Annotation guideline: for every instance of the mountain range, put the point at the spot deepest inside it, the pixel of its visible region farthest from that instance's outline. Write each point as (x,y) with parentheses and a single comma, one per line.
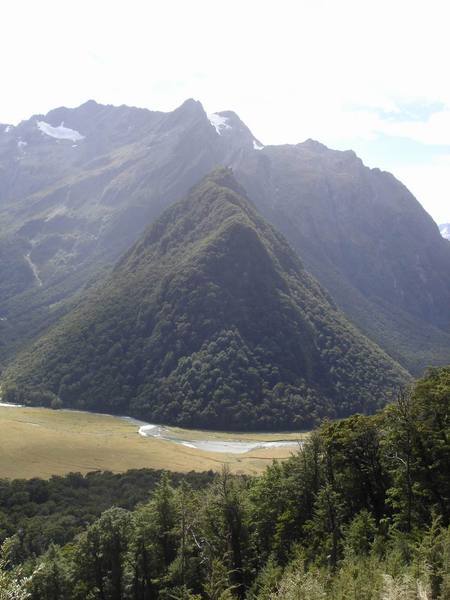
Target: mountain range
(79,188)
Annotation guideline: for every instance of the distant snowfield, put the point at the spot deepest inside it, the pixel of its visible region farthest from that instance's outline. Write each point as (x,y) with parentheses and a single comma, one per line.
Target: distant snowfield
(219,123)
(60,132)
(257,146)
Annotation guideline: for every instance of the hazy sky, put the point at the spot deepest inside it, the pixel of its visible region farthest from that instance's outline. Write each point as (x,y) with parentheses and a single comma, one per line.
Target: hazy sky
(368,75)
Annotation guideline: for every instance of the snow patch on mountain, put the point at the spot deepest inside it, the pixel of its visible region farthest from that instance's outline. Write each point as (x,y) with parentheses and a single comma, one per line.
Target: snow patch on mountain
(445,230)
(218,122)
(34,268)
(60,132)
(257,146)
(8,128)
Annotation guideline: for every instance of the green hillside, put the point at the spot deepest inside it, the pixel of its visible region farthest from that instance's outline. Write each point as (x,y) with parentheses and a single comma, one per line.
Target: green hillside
(209,320)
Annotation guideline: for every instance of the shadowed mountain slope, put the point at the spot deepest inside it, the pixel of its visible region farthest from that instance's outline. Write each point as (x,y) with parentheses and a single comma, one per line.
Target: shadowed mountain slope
(363,235)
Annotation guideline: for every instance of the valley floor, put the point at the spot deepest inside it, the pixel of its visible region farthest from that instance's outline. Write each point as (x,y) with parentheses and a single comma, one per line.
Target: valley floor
(39,442)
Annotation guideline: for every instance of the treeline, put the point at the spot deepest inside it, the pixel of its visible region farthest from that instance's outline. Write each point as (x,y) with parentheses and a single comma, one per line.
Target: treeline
(361,512)
(43,512)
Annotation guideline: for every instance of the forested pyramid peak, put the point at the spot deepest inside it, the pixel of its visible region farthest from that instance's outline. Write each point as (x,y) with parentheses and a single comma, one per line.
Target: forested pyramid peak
(211,320)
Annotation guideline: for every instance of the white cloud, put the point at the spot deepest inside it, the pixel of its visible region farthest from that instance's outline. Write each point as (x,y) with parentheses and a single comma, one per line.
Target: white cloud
(434,130)
(430,183)
(310,55)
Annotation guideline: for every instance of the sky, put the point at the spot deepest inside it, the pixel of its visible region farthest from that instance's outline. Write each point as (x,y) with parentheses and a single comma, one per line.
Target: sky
(368,75)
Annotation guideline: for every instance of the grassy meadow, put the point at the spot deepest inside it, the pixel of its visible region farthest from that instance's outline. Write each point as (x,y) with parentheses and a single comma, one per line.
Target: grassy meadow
(39,442)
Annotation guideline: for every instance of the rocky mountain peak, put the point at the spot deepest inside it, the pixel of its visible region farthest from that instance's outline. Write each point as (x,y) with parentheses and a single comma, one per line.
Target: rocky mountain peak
(233,131)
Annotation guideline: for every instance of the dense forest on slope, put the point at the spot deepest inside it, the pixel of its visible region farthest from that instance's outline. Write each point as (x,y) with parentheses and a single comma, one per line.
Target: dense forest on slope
(362,511)
(209,320)
(54,511)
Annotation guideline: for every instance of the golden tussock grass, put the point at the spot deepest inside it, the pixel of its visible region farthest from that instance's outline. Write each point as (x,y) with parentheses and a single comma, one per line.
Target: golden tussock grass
(39,442)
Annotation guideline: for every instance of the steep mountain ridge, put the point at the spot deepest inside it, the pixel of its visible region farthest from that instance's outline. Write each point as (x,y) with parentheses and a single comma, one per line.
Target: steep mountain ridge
(210,320)
(366,239)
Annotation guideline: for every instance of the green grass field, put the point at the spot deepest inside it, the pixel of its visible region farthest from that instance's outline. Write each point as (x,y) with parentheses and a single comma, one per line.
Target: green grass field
(39,442)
